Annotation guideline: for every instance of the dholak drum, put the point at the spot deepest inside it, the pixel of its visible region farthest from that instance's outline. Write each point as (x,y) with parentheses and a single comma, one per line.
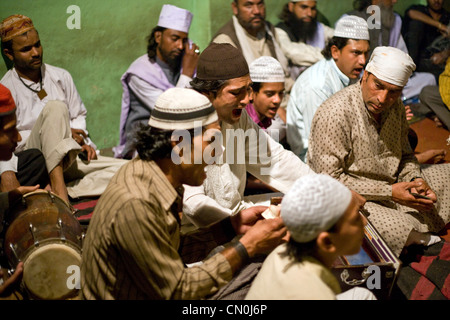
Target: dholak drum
(44,234)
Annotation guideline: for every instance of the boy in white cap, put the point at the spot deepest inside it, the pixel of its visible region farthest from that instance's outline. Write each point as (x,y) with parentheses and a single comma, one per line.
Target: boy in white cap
(133,247)
(345,58)
(323,220)
(170,61)
(360,137)
(268,93)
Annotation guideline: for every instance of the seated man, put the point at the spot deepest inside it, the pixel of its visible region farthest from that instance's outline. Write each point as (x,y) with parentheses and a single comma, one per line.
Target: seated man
(50,117)
(133,247)
(423,25)
(9,137)
(319,234)
(385,30)
(302,37)
(223,76)
(170,62)
(360,137)
(345,58)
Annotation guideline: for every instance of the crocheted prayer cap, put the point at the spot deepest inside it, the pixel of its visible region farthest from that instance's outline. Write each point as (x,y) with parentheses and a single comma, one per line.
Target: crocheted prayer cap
(313,205)
(221,61)
(175,18)
(182,109)
(266,69)
(15,25)
(391,65)
(7,104)
(352,27)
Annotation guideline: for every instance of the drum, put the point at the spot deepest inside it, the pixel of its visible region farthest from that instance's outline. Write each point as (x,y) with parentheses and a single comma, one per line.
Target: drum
(43,233)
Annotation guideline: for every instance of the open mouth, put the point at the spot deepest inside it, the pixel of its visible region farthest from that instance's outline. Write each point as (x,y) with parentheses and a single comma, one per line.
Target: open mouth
(237,112)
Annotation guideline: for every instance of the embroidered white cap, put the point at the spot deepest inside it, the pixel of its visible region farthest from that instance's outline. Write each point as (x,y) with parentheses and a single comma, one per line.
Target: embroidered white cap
(391,65)
(266,69)
(175,18)
(352,27)
(314,204)
(182,109)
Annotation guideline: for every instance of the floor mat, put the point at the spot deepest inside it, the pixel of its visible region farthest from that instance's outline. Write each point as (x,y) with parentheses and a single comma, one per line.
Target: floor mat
(426,272)
(84,209)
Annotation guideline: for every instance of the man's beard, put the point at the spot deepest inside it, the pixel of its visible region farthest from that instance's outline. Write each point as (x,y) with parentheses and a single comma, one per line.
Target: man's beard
(174,63)
(387,16)
(303,31)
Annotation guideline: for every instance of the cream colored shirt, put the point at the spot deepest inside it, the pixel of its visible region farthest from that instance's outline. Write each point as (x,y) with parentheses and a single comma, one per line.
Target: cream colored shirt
(283,278)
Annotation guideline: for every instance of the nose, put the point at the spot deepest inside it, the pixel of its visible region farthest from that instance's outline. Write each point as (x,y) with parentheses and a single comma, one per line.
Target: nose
(256,10)
(248,96)
(383,96)
(277,99)
(35,52)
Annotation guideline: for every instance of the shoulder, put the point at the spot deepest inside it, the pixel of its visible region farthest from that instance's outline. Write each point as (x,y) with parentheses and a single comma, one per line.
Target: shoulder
(7,78)
(341,103)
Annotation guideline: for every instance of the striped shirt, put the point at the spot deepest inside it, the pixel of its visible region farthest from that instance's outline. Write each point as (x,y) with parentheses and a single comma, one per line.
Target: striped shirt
(131,250)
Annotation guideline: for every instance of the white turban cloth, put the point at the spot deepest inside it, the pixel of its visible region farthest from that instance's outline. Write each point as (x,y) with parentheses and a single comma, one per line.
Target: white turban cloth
(391,65)
(314,204)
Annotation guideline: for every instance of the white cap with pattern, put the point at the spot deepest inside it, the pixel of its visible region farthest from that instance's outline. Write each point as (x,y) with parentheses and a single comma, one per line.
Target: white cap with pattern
(266,69)
(314,204)
(182,109)
(352,27)
(175,18)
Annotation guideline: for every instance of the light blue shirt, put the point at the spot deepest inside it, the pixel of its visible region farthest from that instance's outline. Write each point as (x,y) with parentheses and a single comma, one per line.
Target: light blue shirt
(311,89)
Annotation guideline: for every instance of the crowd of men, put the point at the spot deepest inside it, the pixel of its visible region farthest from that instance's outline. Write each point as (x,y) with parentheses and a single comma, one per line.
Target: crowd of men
(311,111)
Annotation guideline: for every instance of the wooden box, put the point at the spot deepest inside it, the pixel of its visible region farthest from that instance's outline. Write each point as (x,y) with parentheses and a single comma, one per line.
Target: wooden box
(375,267)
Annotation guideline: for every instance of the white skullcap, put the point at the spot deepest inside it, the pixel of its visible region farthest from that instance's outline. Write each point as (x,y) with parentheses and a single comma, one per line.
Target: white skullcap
(314,204)
(175,18)
(391,65)
(182,109)
(266,69)
(352,27)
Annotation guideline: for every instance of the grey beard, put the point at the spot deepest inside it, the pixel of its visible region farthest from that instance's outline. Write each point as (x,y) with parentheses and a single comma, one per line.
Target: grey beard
(387,17)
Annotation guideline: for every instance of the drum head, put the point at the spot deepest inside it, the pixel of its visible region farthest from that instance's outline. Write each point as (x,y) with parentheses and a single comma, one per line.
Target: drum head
(45,271)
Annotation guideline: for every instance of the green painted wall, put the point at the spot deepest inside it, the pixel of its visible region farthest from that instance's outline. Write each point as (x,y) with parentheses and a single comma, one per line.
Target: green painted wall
(113,33)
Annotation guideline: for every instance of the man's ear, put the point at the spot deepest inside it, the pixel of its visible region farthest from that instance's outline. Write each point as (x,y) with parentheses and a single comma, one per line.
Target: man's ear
(9,54)
(234,7)
(325,243)
(158,36)
(335,52)
(291,6)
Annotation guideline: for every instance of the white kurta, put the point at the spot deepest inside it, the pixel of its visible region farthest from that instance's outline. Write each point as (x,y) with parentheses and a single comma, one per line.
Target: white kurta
(222,193)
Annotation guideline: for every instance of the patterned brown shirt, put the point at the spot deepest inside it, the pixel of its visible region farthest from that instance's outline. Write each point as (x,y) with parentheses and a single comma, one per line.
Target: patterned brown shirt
(348,144)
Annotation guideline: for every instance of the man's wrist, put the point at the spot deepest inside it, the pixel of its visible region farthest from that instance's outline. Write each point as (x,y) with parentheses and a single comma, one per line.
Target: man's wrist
(242,252)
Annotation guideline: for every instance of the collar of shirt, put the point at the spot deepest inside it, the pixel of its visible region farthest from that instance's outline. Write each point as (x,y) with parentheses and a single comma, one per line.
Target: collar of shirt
(344,79)
(265,123)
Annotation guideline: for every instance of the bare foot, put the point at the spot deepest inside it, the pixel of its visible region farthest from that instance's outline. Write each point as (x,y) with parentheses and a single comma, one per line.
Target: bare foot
(438,122)
(431,156)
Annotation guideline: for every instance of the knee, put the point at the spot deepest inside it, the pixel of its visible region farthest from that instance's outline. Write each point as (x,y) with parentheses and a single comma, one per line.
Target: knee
(56,108)
(425,93)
